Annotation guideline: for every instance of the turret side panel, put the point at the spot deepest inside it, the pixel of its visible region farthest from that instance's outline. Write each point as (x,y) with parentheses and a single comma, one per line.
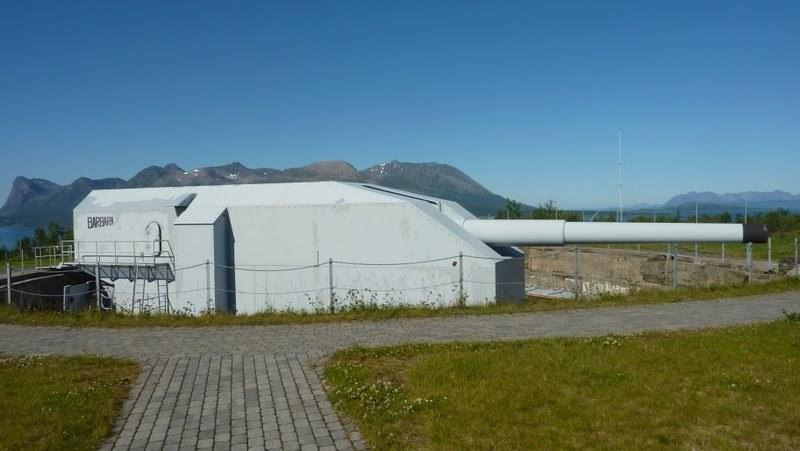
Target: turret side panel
(204,267)
(387,254)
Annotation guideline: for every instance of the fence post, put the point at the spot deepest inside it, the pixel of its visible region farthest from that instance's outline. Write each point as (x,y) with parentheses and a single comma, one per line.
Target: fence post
(8,283)
(749,262)
(723,252)
(135,277)
(21,258)
(674,266)
(97,286)
(578,285)
(330,285)
(208,286)
(667,256)
(769,255)
(796,267)
(266,282)
(460,278)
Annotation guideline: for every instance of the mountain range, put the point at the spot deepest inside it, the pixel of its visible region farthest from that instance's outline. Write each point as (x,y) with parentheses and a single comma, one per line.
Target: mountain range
(34,201)
(756,198)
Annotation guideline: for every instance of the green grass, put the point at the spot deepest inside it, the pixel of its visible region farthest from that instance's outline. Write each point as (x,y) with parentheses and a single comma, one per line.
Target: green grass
(16,264)
(782,247)
(369,312)
(65,403)
(712,389)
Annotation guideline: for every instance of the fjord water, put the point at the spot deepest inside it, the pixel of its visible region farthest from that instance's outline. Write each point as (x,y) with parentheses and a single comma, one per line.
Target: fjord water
(10,235)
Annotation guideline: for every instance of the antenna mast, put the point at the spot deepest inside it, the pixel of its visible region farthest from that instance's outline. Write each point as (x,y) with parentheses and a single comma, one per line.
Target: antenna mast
(619,164)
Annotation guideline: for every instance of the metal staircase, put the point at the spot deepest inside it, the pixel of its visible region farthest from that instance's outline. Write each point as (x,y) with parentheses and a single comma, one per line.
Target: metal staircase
(158,303)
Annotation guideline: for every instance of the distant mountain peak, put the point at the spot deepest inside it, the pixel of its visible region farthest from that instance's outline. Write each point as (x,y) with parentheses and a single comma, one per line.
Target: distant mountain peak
(333,170)
(24,189)
(37,201)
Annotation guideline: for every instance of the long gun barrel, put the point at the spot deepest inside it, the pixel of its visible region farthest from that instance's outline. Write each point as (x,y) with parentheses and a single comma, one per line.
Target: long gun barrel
(532,232)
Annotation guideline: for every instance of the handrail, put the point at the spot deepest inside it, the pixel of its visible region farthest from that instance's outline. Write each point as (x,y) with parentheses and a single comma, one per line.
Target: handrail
(104,252)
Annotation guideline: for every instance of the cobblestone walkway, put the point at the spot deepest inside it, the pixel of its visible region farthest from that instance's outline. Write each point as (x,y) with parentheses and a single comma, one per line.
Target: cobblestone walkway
(231,401)
(256,387)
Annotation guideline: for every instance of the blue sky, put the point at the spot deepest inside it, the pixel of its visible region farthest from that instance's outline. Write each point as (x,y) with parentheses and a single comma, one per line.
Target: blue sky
(524,97)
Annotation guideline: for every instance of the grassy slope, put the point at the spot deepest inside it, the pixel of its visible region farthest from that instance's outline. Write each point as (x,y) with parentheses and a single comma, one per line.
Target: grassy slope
(61,403)
(92,318)
(713,389)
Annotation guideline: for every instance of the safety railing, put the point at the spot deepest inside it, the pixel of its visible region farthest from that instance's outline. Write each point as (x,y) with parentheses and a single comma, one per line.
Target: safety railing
(105,253)
(55,255)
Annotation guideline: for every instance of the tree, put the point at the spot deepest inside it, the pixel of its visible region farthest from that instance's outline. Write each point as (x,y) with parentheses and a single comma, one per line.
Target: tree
(548,210)
(39,237)
(54,233)
(605,217)
(641,218)
(512,210)
(26,245)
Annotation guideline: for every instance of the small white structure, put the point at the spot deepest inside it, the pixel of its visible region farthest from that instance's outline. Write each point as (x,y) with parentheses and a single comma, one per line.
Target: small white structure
(301,246)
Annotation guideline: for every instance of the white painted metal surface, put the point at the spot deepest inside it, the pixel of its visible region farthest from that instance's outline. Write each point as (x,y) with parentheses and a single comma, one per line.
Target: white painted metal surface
(634,232)
(273,250)
(558,232)
(517,232)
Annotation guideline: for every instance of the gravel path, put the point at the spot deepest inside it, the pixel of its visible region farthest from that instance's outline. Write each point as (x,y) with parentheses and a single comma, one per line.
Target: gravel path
(255,387)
